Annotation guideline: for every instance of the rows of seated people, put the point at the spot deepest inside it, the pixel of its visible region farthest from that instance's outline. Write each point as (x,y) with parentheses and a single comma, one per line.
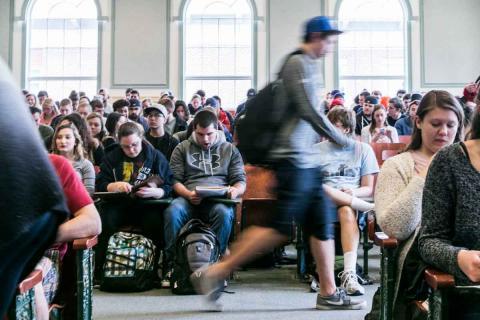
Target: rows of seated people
(188,146)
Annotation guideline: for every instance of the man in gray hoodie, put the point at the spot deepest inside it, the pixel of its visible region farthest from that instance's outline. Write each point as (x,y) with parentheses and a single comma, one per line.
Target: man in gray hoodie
(205,159)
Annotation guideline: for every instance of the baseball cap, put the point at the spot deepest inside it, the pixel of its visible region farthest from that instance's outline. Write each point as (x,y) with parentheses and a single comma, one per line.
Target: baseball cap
(320,24)
(135,103)
(158,107)
(251,92)
(371,100)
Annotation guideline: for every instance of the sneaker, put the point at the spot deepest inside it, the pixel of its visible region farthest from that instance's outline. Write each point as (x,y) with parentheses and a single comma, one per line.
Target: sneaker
(349,281)
(209,287)
(339,301)
(314,286)
(167,279)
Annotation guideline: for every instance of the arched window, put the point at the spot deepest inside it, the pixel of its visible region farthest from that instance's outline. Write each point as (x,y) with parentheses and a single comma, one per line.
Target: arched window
(218,51)
(62,47)
(371,53)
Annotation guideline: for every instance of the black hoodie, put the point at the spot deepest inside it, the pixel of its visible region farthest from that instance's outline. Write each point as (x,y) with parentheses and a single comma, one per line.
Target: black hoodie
(154,163)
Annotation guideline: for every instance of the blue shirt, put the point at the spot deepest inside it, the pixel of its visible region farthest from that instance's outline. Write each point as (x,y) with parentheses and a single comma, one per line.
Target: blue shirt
(404,126)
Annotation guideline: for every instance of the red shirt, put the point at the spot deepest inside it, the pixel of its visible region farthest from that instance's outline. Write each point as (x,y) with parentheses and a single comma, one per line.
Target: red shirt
(75,193)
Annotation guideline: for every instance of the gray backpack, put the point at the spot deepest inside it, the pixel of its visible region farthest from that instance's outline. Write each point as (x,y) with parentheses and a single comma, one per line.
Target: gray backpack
(196,246)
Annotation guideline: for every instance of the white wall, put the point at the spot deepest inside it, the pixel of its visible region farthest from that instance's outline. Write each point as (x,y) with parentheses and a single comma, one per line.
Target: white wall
(447,59)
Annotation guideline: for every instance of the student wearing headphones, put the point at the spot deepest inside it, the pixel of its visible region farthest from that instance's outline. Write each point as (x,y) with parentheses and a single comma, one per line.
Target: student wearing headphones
(204,159)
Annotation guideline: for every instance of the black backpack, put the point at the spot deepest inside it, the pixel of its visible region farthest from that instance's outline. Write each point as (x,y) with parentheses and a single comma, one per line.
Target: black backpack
(258,128)
(196,246)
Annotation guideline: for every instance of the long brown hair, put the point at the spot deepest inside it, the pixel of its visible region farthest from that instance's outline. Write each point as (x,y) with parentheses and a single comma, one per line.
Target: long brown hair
(78,151)
(374,124)
(436,99)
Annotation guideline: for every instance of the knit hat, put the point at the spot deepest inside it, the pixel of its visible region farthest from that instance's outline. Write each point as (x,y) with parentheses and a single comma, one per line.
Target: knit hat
(337,102)
(416,96)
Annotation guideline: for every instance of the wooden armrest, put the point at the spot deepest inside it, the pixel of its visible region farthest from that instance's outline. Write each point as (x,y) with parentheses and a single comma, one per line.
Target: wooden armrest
(85,243)
(384,241)
(35,277)
(437,279)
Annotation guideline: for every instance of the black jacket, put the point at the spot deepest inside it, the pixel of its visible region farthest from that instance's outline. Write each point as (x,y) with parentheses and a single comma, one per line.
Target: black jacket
(155,163)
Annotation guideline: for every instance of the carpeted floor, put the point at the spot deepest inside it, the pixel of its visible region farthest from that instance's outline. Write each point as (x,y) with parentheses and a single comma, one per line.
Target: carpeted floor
(257,294)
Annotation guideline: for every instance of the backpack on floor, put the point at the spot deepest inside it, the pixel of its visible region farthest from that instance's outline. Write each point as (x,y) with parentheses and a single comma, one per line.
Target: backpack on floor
(129,263)
(257,129)
(196,246)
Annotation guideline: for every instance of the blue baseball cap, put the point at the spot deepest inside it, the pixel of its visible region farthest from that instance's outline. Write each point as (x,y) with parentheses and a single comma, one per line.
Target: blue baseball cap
(320,24)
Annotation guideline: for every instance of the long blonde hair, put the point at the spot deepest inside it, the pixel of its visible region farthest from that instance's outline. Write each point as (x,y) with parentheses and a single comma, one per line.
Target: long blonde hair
(78,150)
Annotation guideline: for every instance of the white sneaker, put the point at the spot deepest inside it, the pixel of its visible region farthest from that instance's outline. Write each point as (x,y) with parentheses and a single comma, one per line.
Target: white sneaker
(349,281)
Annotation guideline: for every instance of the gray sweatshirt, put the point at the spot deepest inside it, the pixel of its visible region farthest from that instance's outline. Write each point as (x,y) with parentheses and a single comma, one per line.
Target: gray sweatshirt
(302,81)
(220,165)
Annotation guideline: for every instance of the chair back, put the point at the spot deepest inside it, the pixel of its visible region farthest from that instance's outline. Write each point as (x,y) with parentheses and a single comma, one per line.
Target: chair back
(405,139)
(390,149)
(261,183)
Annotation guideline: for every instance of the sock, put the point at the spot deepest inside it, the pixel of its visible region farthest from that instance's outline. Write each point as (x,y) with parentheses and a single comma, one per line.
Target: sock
(350,261)
(362,205)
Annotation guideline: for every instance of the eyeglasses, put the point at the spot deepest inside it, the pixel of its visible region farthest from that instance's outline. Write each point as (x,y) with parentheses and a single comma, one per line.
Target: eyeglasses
(129,146)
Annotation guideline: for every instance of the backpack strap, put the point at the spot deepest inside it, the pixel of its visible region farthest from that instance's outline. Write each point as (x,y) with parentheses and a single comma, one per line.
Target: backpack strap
(293,53)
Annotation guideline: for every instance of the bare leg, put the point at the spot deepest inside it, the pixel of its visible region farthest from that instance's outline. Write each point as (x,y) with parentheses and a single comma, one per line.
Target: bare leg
(341,198)
(348,228)
(254,240)
(324,254)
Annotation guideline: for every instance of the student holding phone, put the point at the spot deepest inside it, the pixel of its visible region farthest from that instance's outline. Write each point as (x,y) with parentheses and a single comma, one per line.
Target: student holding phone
(379,131)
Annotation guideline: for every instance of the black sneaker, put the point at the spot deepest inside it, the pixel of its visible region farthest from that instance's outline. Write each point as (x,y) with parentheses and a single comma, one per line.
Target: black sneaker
(209,287)
(339,301)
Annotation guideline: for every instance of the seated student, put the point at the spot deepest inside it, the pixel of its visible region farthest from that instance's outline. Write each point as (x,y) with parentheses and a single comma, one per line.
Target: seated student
(214,107)
(93,147)
(348,174)
(395,107)
(135,113)
(379,131)
(400,184)
(64,109)
(121,106)
(84,109)
(85,221)
(46,132)
(68,143)
(181,111)
(95,123)
(360,102)
(99,107)
(404,126)
(224,116)
(195,104)
(156,135)
(131,162)
(173,124)
(364,116)
(49,111)
(205,159)
(114,121)
(449,237)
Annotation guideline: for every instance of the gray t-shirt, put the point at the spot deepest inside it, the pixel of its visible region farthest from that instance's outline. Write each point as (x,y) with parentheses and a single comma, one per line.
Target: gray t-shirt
(343,167)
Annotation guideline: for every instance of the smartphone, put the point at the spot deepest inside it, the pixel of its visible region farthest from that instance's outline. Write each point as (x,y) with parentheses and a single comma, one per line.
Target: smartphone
(382,130)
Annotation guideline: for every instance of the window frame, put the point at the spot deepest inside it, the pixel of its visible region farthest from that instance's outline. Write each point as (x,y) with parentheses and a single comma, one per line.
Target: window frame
(26,18)
(183,46)
(407,32)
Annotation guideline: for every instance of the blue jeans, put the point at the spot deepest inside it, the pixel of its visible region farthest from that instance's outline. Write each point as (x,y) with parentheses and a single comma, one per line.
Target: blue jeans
(218,215)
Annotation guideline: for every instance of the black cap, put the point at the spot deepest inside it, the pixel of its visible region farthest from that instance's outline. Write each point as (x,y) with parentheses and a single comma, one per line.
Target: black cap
(135,103)
(371,100)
